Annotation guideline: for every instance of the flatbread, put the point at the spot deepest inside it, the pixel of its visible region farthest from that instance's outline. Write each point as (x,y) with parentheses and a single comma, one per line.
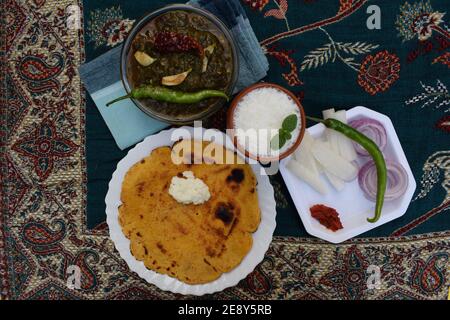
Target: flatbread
(193,243)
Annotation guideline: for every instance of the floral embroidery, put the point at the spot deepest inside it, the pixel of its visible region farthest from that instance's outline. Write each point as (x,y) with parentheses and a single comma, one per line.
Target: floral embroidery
(345,5)
(352,8)
(258,282)
(444,124)
(377,73)
(280,12)
(419,19)
(420,220)
(108,27)
(116,32)
(423,25)
(437,96)
(444,59)
(437,43)
(437,162)
(436,169)
(428,276)
(257,4)
(41,72)
(348,277)
(284,58)
(333,50)
(45,146)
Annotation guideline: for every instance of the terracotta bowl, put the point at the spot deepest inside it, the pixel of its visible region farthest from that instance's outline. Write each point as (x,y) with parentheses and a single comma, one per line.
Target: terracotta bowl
(230,122)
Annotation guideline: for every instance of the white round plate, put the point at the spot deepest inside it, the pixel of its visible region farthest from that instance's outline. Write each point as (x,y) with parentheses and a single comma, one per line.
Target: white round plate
(261,238)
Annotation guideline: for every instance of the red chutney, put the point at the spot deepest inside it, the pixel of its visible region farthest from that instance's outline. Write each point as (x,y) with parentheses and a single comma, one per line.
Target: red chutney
(328,217)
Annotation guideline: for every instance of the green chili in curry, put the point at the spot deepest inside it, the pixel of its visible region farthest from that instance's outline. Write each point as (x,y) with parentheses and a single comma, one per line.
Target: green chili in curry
(168,95)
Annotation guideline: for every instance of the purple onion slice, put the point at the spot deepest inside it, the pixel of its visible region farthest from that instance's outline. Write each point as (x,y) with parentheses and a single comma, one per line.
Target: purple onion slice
(397,180)
(373,129)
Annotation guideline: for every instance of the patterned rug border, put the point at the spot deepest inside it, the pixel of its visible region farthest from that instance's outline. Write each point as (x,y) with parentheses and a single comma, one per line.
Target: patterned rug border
(3,140)
(445,235)
(83,119)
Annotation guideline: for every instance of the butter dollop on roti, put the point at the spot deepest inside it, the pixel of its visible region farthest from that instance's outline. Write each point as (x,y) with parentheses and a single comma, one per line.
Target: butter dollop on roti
(193,243)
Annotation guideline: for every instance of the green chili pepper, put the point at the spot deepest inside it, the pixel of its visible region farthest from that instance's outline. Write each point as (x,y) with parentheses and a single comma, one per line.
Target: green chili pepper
(169,95)
(374,152)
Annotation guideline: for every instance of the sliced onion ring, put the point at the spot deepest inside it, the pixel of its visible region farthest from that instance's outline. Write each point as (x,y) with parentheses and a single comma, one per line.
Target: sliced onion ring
(397,180)
(373,129)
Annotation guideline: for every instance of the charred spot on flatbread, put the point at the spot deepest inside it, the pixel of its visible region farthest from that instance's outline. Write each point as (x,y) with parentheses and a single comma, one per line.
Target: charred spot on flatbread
(225,212)
(236,175)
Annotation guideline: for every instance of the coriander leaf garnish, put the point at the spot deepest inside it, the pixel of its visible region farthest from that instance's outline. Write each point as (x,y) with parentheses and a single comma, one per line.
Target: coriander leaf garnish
(289,123)
(278,141)
(284,133)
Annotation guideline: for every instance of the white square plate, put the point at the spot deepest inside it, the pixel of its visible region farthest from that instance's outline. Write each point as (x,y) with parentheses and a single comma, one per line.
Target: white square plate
(352,205)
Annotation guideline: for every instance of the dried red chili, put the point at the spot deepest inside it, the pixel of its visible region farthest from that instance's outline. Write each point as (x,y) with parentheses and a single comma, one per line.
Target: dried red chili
(167,42)
(328,217)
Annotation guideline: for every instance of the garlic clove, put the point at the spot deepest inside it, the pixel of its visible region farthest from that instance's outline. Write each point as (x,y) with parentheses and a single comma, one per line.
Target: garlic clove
(205,64)
(176,79)
(143,59)
(209,49)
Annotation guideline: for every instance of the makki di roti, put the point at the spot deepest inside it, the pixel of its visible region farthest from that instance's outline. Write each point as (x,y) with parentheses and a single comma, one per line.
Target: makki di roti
(193,243)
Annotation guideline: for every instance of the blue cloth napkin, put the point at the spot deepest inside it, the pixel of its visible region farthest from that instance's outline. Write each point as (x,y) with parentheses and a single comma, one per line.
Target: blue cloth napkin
(101,76)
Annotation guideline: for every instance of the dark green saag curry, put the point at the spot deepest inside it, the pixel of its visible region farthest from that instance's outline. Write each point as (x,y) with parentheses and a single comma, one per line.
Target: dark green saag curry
(207,62)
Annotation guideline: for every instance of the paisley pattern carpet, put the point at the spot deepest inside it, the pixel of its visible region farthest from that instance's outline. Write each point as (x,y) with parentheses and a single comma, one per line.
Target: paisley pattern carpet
(44,225)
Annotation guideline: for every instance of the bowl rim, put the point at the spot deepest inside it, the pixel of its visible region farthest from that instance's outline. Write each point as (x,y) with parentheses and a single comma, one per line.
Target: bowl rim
(231,128)
(142,23)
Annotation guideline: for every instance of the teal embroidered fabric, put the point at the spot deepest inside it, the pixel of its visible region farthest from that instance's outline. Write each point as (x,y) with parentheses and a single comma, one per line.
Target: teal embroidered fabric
(328,56)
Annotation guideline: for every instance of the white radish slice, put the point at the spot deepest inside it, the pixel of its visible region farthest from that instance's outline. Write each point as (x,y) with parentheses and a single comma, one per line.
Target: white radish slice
(340,115)
(305,145)
(337,183)
(333,162)
(304,156)
(328,113)
(346,148)
(331,135)
(308,161)
(308,176)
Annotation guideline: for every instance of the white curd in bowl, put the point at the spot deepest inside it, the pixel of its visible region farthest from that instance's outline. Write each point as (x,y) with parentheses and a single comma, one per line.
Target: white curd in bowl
(259,116)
